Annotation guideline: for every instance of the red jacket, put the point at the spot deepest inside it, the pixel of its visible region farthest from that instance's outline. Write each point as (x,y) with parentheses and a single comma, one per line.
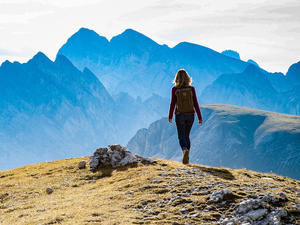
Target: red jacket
(174,100)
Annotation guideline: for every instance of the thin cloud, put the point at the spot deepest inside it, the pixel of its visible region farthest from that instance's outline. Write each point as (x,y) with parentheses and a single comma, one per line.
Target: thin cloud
(22,18)
(257,29)
(7,52)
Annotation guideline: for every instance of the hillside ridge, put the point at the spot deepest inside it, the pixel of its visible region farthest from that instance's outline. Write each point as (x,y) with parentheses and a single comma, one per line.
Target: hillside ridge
(231,136)
(167,192)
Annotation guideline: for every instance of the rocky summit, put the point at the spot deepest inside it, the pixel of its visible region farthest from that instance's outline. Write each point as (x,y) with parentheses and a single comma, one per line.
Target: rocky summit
(123,188)
(115,156)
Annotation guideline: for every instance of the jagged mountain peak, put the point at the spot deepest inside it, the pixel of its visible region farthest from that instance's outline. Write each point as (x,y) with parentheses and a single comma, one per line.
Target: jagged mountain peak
(192,48)
(88,34)
(5,63)
(132,33)
(133,37)
(252,62)
(40,57)
(84,42)
(85,30)
(231,53)
(253,69)
(293,73)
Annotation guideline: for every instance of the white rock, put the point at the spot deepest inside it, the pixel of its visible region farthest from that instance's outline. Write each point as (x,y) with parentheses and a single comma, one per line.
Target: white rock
(195,215)
(218,196)
(256,214)
(128,159)
(183,210)
(275,216)
(297,207)
(248,205)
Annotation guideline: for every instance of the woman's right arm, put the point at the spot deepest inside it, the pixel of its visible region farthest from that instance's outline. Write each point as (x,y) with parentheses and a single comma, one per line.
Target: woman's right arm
(172,104)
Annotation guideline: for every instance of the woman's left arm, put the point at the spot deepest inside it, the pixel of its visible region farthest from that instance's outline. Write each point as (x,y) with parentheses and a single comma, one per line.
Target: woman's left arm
(196,105)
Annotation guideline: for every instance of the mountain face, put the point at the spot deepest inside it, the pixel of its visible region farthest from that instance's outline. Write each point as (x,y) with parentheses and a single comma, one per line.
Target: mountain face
(133,63)
(250,88)
(253,88)
(50,110)
(280,82)
(293,74)
(131,114)
(231,136)
(252,62)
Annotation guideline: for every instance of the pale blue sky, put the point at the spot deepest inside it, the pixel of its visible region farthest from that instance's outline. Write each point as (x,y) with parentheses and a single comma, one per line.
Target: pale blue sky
(266,31)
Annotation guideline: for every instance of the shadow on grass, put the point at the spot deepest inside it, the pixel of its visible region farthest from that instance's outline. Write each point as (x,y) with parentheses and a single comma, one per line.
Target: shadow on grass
(218,172)
(107,171)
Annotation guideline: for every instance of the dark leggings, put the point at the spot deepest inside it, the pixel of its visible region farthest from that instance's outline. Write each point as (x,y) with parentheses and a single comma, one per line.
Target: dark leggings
(184,123)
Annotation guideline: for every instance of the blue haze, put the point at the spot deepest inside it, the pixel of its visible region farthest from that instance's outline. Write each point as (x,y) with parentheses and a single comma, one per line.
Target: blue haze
(99,92)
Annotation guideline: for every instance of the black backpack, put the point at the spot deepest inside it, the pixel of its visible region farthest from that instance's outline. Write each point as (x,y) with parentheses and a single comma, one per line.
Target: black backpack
(185,102)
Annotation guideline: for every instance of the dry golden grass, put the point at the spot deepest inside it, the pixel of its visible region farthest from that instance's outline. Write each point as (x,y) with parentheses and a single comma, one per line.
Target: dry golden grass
(116,196)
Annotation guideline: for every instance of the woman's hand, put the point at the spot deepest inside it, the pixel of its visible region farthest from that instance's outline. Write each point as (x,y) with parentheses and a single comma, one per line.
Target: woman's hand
(170,120)
(200,122)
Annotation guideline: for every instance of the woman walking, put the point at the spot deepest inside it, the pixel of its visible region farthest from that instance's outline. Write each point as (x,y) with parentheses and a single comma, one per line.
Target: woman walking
(184,100)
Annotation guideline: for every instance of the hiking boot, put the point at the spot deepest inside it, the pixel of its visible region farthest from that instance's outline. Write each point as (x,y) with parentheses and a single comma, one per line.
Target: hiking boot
(185,156)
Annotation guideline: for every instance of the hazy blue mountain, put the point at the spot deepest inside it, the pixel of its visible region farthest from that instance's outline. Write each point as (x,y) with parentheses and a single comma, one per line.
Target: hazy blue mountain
(291,96)
(293,74)
(232,54)
(61,109)
(254,88)
(280,82)
(291,100)
(133,63)
(158,104)
(51,110)
(231,136)
(131,114)
(250,88)
(286,83)
(252,62)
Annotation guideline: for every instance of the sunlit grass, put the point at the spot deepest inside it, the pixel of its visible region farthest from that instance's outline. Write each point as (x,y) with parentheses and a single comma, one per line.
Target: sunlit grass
(115,196)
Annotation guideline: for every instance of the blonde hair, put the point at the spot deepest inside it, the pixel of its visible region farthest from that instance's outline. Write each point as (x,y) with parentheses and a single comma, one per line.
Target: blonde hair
(182,79)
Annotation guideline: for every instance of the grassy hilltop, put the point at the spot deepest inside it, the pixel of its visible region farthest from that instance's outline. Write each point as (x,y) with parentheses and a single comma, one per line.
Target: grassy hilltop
(164,193)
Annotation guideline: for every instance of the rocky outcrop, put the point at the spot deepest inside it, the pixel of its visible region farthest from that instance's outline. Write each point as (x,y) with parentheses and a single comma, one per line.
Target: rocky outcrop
(262,211)
(115,156)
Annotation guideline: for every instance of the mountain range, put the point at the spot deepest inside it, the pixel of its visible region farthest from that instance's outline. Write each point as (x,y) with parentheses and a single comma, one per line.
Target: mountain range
(231,136)
(257,89)
(99,92)
(52,110)
(135,64)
